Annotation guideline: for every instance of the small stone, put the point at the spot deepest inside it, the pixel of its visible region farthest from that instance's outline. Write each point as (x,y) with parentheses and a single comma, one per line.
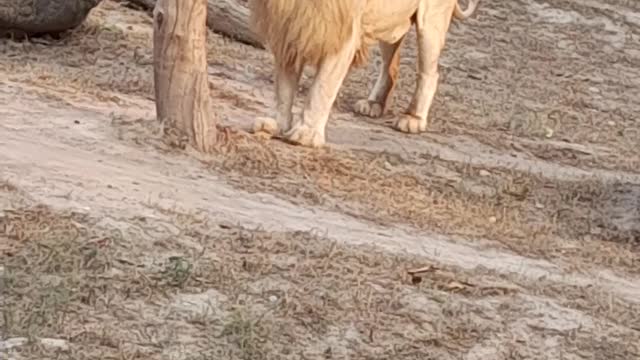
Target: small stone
(493,220)
(484,173)
(387,166)
(565,44)
(55,343)
(594,90)
(13,342)
(273,298)
(539,206)
(548,132)
(611,123)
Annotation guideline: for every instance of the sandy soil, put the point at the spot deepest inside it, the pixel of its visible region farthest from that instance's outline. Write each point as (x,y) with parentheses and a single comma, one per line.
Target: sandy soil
(523,201)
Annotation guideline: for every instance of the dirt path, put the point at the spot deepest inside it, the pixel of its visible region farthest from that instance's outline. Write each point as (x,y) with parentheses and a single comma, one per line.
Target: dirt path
(100,171)
(131,248)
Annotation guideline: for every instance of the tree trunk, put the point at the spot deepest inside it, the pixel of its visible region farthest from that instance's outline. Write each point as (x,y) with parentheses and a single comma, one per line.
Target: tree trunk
(227,17)
(180,71)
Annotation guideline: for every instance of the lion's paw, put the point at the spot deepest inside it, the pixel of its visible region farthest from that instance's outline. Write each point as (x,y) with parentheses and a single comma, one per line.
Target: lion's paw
(410,124)
(264,126)
(304,135)
(368,108)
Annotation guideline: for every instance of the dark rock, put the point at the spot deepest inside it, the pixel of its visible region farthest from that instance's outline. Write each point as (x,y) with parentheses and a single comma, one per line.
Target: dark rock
(37,17)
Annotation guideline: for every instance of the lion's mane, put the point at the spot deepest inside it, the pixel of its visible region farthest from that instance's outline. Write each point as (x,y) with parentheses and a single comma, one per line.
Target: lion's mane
(304,32)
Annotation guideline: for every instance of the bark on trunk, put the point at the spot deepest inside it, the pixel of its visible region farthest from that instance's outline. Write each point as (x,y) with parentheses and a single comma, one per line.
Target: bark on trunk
(227,17)
(180,71)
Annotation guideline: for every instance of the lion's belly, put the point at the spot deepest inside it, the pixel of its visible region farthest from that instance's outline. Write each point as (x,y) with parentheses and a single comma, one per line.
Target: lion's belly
(388,20)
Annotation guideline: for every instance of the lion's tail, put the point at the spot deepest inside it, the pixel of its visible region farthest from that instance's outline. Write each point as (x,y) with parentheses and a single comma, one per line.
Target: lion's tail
(463,14)
(303,32)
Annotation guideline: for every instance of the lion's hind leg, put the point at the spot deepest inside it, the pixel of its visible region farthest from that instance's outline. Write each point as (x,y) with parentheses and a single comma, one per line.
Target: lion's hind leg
(432,25)
(378,100)
(286,79)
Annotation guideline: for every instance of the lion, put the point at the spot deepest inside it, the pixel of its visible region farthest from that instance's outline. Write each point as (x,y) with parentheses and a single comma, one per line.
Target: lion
(332,36)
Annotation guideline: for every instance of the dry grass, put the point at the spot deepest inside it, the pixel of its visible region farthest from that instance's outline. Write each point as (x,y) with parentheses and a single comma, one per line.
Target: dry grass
(527,212)
(582,222)
(133,288)
(498,86)
(264,296)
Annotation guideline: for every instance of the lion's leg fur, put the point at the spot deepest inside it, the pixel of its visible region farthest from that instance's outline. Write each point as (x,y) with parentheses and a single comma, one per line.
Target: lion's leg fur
(322,34)
(432,24)
(310,131)
(286,79)
(330,35)
(380,95)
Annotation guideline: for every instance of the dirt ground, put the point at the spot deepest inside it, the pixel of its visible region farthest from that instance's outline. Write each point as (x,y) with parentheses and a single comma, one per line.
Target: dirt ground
(522,202)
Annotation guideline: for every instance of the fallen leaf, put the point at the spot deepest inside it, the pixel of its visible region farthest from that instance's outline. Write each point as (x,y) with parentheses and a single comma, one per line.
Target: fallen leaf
(422,270)
(456,285)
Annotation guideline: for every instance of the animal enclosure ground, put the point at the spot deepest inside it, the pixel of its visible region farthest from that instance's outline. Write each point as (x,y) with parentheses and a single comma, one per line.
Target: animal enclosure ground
(523,200)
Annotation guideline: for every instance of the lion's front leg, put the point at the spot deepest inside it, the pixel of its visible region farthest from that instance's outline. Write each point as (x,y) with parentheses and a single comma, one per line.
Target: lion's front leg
(431,25)
(310,131)
(378,100)
(286,79)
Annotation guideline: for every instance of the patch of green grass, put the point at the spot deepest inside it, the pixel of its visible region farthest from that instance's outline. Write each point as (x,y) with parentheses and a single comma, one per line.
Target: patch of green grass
(177,271)
(244,330)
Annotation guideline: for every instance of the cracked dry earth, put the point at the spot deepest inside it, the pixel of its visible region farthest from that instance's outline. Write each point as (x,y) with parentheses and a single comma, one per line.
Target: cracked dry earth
(522,203)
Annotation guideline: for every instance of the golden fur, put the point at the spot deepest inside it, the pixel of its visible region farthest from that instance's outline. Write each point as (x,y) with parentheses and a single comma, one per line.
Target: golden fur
(334,35)
(304,32)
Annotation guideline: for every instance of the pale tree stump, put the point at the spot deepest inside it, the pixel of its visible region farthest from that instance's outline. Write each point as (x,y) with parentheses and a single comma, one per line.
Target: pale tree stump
(180,71)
